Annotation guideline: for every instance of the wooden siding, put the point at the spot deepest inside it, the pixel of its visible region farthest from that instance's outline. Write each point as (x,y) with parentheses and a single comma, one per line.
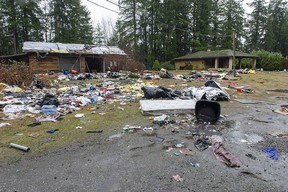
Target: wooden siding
(190,65)
(47,63)
(82,64)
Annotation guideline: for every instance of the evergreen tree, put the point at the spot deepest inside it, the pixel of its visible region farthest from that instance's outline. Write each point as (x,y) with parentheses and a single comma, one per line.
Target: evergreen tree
(201,17)
(71,22)
(99,35)
(233,19)
(21,22)
(6,40)
(128,22)
(276,28)
(217,13)
(256,25)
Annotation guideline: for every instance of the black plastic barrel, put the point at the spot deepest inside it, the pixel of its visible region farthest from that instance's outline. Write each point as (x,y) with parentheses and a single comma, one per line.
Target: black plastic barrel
(207,111)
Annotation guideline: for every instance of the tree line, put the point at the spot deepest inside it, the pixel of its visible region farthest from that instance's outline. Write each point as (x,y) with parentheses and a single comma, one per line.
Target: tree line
(165,29)
(149,29)
(65,21)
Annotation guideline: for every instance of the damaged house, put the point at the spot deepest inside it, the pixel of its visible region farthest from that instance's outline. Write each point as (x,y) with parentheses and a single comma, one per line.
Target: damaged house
(43,56)
(212,59)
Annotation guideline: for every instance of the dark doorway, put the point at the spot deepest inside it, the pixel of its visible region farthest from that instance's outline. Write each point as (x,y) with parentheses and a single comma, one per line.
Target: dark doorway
(67,63)
(223,63)
(94,65)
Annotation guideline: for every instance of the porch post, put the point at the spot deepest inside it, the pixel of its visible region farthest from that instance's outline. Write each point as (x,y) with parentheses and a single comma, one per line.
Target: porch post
(104,65)
(230,62)
(254,63)
(216,63)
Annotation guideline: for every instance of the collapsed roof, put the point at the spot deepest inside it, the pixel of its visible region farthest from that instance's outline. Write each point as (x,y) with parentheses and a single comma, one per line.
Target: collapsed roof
(46,47)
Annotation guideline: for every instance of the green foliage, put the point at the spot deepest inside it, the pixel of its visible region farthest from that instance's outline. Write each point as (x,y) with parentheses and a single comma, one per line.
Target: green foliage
(19,21)
(98,38)
(256,25)
(168,66)
(71,22)
(246,63)
(270,61)
(156,65)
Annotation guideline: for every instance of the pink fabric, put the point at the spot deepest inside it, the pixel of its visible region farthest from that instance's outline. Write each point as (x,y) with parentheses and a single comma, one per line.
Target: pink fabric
(225,156)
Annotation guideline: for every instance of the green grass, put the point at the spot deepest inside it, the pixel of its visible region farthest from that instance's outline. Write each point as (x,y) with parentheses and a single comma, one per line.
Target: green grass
(112,122)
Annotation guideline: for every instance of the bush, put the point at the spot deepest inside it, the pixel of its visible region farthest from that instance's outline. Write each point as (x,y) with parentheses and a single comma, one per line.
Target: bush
(269,61)
(246,63)
(16,73)
(167,65)
(156,65)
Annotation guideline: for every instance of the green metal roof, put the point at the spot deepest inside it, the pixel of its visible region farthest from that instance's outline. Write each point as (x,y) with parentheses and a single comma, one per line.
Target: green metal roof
(215,54)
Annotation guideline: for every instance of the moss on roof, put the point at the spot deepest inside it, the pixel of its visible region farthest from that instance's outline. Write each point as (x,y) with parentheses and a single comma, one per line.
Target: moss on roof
(215,54)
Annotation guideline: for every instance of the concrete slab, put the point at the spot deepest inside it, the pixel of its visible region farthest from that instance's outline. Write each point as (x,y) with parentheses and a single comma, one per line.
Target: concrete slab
(158,107)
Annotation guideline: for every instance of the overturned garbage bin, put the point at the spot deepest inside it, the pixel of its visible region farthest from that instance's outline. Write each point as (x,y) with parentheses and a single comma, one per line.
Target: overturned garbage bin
(207,111)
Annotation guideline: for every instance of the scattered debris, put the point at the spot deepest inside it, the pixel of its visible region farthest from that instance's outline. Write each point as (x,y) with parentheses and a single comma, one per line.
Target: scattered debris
(177,178)
(247,101)
(279,134)
(4,124)
(250,156)
(271,152)
(223,155)
(116,136)
(207,111)
(79,115)
(193,164)
(33,135)
(20,147)
(148,130)
(52,131)
(95,131)
(202,144)
(34,124)
(186,151)
(281,110)
(157,139)
(159,107)
(253,175)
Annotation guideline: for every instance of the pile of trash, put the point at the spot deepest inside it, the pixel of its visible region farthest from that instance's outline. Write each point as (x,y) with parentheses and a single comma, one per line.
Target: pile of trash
(51,103)
(211,91)
(67,93)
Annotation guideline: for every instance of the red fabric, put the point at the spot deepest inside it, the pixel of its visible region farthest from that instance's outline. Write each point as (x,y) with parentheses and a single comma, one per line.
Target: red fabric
(225,156)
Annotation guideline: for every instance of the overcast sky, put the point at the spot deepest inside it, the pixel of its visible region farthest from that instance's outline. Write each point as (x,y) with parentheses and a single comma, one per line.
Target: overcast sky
(97,12)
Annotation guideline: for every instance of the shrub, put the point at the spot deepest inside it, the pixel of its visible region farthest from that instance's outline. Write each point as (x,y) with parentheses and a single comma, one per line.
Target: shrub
(269,61)
(156,65)
(167,65)
(245,63)
(16,73)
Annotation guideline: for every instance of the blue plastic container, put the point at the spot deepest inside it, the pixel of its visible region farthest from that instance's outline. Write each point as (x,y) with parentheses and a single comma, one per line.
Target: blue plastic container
(49,109)
(94,99)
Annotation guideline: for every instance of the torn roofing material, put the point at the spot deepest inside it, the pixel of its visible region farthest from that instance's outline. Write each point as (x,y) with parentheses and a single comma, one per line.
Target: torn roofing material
(71,48)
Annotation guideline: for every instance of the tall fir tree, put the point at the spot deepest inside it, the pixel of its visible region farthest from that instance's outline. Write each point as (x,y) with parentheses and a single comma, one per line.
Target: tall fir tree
(201,16)
(233,19)
(217,15)
(71,22)
(21,21)
(256,25)
(128,22)
(98,37)
(276,28)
